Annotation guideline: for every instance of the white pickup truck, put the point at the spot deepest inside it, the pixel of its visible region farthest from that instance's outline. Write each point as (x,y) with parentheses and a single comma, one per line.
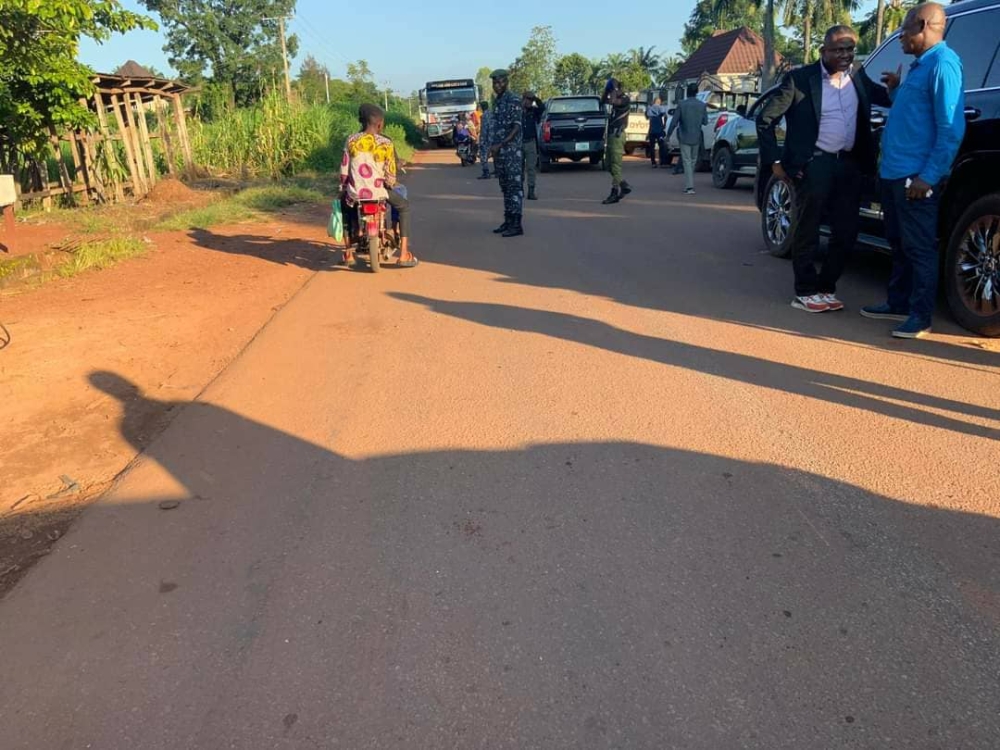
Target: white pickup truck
(721,107)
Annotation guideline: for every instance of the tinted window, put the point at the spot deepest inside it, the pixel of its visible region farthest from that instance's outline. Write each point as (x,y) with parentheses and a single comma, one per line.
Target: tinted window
(889,57)
(974,38)
(574,106)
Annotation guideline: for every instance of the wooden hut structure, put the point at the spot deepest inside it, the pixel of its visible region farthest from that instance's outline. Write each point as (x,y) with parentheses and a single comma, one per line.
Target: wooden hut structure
(141,127)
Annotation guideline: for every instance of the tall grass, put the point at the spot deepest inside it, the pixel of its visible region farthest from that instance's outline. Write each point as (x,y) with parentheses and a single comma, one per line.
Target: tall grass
(277,138)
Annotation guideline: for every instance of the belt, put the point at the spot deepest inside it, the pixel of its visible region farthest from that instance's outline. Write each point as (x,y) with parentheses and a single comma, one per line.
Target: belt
(834,154)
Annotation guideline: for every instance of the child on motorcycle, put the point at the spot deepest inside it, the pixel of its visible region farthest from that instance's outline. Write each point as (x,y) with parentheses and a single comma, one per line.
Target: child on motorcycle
(368,173)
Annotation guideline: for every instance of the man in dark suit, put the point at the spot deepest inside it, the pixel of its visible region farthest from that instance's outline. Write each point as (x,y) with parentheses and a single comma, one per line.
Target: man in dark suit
(829,147)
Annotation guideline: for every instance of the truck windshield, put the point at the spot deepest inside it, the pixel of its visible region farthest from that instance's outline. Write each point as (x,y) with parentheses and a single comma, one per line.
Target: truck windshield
(446,97)
(574,106)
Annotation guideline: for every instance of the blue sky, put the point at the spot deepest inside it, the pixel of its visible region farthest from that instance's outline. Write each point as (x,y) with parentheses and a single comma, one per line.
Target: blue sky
(416,42)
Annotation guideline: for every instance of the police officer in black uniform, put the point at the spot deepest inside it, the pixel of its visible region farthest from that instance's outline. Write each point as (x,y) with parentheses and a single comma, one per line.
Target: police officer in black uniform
(508,152)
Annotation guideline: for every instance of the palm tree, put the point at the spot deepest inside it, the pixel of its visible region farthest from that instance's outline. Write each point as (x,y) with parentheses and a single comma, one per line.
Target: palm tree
(893,12)
(647,60)
(816,14)
(879,21)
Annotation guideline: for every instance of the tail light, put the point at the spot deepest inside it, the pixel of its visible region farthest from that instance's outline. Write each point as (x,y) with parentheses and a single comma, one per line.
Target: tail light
(547,132)
(432,119)
(369,209)
(723,119)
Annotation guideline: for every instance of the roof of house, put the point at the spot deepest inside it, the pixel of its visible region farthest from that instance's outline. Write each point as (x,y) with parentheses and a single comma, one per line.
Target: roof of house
(132,69)
(725,53)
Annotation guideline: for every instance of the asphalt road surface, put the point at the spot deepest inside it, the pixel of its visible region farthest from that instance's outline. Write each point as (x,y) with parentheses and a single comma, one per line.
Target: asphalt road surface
(596,487)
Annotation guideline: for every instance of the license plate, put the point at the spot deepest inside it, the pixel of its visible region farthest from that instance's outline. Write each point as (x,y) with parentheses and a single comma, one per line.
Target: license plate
(583,147)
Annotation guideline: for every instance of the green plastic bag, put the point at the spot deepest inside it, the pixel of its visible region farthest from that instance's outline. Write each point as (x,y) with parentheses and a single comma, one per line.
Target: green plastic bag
(336,226)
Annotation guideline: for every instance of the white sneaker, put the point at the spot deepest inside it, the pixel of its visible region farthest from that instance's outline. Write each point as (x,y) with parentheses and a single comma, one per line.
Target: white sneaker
(832,302)
(815,303)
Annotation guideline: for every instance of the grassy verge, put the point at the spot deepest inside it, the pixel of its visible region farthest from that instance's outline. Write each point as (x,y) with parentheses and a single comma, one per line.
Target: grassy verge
(101,254)
(248,204)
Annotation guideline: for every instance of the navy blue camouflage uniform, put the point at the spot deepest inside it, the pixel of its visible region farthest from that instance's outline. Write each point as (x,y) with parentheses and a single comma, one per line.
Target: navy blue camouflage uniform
(509,161)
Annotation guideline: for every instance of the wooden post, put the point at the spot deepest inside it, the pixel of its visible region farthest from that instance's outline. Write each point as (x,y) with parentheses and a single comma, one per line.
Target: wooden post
(147,146)
(133,132)
(182,133)
(165,139)
(82,173)
(64,179)
(138,188)
(102,119)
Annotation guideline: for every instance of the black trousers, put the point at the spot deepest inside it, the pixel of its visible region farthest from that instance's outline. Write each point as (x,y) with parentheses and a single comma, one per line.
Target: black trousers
(830,188)
(657,140)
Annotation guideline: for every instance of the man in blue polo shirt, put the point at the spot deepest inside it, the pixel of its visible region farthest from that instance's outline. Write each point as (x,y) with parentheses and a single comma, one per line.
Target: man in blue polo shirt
(921,138)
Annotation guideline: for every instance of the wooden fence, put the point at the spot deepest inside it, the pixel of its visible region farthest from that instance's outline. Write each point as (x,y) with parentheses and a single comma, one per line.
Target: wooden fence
(120,157)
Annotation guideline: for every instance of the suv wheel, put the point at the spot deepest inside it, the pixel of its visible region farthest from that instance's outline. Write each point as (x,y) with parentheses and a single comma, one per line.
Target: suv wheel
(722,168)
(777,217)
(972,267)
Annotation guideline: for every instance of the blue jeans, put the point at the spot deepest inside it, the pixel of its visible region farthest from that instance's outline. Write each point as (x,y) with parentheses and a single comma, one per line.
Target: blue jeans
(911,228)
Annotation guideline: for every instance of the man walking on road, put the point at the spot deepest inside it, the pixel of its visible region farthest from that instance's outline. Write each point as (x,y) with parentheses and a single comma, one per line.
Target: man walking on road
(828,149)
(657,117)
(485,142)
(508,152)
(533,109)
(619,101)
(919,144)
(690,115)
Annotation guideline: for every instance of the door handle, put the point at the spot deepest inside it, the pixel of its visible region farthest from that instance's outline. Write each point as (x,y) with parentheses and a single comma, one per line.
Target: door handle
(878,119)
(972,113)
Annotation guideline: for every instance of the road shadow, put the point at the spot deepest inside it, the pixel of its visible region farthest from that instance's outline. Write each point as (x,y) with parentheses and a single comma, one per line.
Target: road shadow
(696,255)
(286,251)
(897,403)
(597,595)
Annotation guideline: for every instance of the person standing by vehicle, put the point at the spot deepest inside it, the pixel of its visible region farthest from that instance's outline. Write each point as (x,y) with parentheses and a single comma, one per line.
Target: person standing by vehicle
(688,119)
(828,149)
(533,109)
(657,117)
(484,139)
(619,102)
(920,141)
(508,152)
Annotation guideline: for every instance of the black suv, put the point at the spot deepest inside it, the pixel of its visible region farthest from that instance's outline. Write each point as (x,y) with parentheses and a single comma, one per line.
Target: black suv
(969,224)
(574,128)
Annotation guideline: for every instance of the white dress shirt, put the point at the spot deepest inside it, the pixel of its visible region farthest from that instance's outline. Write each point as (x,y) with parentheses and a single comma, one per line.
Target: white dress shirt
(838,123)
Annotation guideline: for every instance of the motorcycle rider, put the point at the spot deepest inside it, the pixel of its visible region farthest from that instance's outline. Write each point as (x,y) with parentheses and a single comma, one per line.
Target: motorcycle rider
(368,173)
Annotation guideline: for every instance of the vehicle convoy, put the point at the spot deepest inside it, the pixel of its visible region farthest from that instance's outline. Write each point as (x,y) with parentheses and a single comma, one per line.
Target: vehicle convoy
(442,102)
(969,217)
(574,128)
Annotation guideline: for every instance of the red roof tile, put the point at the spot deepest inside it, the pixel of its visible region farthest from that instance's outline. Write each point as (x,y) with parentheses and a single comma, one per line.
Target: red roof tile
(725,53)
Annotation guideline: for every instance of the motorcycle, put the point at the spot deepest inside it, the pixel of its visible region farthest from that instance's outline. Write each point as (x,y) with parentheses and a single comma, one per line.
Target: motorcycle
(467,152)
(375,231)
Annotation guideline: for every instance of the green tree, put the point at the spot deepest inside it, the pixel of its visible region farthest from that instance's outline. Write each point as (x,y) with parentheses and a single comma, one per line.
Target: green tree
(41,81)
(574,74)
(231,43)
(485,83)
(534,68)
(872,31)
(311,81)
(813,17)
(627,69)
(362,81)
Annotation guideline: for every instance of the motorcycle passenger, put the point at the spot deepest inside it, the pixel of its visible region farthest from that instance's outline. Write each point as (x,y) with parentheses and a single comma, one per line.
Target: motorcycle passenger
(368,173)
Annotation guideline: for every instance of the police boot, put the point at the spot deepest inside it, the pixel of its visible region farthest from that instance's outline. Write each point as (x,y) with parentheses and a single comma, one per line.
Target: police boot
(625,189)
(503,227)
(531,195)
(614,197)
(515,229)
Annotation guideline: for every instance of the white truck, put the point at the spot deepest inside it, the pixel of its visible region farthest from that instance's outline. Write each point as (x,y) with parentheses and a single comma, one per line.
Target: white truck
(442,102)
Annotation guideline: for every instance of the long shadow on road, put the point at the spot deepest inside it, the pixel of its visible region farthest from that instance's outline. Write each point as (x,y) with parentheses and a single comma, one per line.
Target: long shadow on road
(698,256)
(572,595)
(847,391)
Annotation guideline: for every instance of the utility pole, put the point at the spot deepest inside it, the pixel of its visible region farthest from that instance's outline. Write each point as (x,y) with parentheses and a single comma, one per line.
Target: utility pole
(326,81)
(284,52)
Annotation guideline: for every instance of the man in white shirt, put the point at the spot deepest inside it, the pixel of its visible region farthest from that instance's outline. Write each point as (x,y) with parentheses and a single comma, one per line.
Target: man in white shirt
(828,149)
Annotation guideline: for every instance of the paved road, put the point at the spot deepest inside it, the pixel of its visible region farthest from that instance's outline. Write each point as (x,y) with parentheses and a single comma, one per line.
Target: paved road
(599,487)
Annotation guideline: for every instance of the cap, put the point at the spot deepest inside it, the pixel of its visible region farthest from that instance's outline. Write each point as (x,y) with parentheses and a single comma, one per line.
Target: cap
(499,73)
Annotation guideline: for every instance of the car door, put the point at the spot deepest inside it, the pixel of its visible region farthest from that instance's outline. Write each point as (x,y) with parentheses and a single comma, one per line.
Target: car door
(974,36)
